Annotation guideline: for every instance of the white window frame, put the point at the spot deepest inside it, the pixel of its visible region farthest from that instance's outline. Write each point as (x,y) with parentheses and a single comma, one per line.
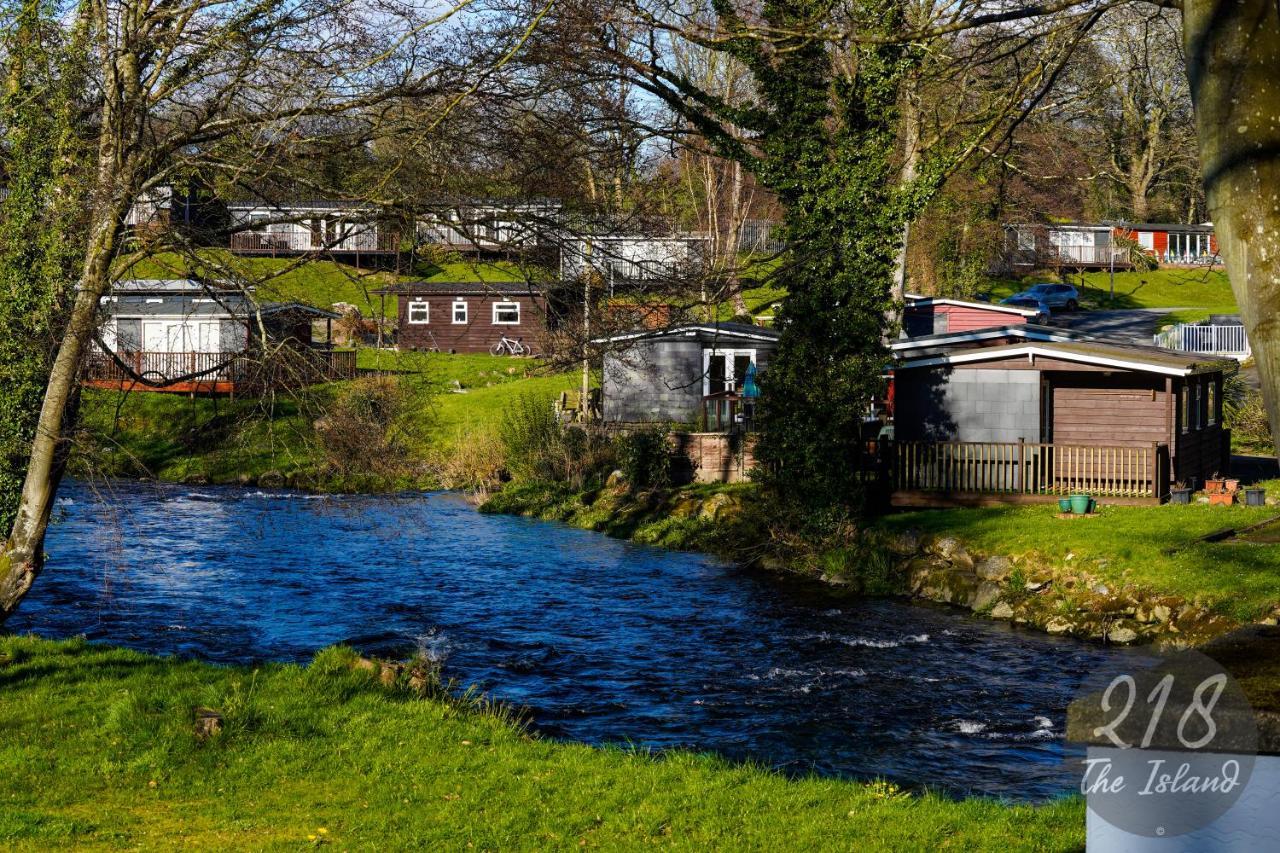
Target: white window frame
(506,306)
(155,300)
(730,356)
(458,302)
(1211,401)
(1147,240)
(415,304)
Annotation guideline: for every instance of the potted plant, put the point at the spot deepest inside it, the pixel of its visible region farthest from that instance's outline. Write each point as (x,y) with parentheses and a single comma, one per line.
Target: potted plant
(1080,504)
(1231,485)
(1180,493)
(1255,497)
(1215,485)
(1064,504)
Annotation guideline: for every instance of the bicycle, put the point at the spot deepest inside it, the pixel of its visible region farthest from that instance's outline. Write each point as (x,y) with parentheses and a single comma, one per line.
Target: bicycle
(506,346)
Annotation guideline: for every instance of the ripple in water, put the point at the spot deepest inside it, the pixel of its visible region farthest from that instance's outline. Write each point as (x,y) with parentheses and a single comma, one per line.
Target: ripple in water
(602,640)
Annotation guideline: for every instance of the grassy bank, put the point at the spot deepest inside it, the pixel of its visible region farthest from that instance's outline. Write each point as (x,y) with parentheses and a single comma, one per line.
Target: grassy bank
(1197,292)
(452,407)
(100,751)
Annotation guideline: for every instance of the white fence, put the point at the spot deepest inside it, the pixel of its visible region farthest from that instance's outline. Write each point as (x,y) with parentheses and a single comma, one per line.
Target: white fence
(1211,340)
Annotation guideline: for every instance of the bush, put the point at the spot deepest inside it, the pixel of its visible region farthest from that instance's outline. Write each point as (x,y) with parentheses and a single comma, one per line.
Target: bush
(536,446)
(644,458)
(1245,414)
(363,430)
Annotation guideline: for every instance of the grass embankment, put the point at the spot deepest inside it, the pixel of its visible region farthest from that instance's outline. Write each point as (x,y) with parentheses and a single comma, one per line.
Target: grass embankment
(451,401)
(1197,292)
(100,751)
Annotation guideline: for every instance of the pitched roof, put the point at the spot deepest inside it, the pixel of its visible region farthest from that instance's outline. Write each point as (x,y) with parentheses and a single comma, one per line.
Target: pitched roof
(702,331)
(1142,359)
(463,288)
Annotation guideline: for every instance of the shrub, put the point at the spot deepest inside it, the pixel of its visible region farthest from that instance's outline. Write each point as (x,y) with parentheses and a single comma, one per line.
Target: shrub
(536,446)
(644,457)
(362,431)
(1245,414)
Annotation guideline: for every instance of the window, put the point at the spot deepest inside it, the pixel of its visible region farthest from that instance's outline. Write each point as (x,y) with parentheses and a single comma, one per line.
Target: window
(155,300)
(506,313)
(1186,409)
(725,370)
(1147,240)
(419,312)
(460,311)
(1026,239)
(1197,411)
(1212,390)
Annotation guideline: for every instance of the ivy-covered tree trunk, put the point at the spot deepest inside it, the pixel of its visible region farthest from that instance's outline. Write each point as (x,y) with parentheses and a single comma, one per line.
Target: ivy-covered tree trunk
(40,220)
(1233,57)
(829,156)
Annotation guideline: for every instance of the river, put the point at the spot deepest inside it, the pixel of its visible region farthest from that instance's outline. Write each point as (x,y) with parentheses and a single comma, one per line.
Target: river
(603,641)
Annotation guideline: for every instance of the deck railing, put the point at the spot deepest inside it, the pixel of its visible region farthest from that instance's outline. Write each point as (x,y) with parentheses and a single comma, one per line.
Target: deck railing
(1210,340)
(1025,468)
(242,369)
(362,238)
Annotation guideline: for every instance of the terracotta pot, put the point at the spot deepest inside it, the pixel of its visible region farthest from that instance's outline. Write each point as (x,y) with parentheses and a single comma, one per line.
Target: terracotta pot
(1215,486)
(1222,499)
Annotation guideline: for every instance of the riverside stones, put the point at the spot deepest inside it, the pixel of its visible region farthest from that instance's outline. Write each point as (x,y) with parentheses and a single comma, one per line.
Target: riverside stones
(995,568)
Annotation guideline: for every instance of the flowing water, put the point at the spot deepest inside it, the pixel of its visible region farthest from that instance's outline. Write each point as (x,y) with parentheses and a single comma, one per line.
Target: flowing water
(602,640)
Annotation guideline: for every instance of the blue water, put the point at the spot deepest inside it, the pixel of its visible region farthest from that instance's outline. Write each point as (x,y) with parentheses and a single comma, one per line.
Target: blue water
(602,640)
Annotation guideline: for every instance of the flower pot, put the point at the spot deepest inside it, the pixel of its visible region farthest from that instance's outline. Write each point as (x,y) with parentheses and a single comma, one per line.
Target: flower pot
(1222,499)
(1179,496)
(1215,486)
(1255,497)
(1231,486)
(1064,504)
(1080,504)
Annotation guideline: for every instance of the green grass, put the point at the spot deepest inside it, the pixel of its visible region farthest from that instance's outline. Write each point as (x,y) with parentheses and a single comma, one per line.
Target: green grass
(1200,291)
(1129,545)
(99,752)
(175,438)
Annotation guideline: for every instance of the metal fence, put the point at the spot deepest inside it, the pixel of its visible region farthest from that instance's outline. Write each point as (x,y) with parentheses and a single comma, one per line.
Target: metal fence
(1208,339)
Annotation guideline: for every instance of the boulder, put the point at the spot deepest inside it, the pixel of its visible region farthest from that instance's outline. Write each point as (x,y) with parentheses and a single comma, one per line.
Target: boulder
(1058,625)
(718,506)
(995,568)
(1121,634)
(987,593)
(1002,610)
(950,549)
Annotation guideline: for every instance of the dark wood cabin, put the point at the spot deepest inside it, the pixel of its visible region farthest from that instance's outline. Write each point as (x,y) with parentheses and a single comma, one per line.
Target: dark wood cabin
(439,316)
(1036,420)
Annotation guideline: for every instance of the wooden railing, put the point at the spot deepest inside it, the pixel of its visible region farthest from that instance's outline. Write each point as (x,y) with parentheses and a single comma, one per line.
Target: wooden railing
(242,369)
(362,238)
(1024,468)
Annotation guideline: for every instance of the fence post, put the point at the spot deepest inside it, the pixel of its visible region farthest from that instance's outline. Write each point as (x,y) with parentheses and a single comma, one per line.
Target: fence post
(1020,475)
(1157,471)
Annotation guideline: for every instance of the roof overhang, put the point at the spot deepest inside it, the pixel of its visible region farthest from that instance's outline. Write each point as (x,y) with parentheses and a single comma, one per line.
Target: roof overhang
(1027,331)
(1117,360)
(689,332)
(925,301)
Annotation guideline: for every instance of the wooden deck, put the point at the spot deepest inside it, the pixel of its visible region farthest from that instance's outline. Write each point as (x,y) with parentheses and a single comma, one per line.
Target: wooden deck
(951,473)
(217,373)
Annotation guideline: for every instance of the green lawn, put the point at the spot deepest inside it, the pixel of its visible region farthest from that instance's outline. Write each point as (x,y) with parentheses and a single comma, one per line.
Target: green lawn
(1129,545)
(99,752)
(1202,291)
(453,399)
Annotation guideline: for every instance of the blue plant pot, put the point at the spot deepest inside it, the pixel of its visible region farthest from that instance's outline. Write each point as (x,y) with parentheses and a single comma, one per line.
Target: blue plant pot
(1080,504)
(1064,504)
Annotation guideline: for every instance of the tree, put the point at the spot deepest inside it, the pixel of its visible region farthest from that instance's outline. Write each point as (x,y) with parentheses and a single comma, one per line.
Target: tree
(171,86)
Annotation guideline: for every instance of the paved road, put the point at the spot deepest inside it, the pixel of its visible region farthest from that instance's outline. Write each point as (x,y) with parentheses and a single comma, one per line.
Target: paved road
(1131,325)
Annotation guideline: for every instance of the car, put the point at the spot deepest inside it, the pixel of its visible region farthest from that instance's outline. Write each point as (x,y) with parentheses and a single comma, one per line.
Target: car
(1023,300)
(1054,295)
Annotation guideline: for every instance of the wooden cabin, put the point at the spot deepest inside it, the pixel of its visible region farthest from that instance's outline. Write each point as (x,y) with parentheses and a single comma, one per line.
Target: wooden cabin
(691,374)
(1035,420)
(1099,245)
(469,316)
(1172,243)
(188,336)
(927,315)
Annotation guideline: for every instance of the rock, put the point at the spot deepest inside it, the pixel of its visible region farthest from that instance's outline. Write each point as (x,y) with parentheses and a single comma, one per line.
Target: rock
(208,723)
(834,580)
(271,479)
(1002,610)
(1101,589)
(995,568)
(718,506)
(617,480)
(904,544)
(950,549)
(1037,585)
(1058,625)
(987,593)
(1121,634)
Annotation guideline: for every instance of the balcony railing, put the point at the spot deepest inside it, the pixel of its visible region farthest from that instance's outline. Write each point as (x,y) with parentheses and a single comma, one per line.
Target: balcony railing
(1031,469)
(369,238)
(246,370)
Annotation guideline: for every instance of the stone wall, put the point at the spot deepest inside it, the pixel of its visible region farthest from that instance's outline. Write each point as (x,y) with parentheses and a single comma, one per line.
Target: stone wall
(713,457)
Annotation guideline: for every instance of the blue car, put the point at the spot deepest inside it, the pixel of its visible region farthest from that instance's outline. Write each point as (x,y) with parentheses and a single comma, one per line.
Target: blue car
(1062,296)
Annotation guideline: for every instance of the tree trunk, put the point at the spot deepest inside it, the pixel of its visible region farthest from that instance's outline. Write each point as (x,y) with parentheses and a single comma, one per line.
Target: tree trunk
(1233,53)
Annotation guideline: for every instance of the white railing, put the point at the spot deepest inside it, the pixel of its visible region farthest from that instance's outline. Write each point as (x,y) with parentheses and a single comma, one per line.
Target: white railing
(1210,340)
